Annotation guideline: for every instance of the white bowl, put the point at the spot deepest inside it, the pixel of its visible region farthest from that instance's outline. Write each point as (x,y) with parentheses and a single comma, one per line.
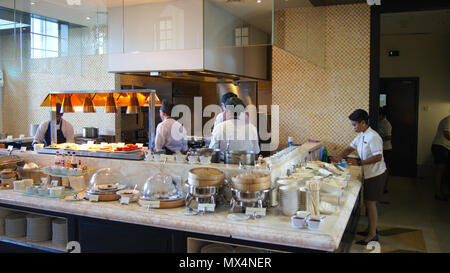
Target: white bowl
(180,158)
(298,221)
(205,159)
(314,222)
(193,159)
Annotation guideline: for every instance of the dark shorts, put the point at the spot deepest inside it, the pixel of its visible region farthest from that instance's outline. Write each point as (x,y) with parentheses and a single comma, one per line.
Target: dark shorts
(374,187)
(440,154)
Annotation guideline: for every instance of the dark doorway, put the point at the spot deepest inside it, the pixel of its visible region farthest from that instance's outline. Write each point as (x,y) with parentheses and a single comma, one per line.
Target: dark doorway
(402,98)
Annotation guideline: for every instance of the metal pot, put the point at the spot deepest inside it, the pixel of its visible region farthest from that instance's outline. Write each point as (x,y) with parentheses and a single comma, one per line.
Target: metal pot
(234,157)
(90,132)
(250,196)
(215,156)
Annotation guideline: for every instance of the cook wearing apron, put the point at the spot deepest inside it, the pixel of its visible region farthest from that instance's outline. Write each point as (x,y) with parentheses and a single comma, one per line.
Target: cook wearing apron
(64,131)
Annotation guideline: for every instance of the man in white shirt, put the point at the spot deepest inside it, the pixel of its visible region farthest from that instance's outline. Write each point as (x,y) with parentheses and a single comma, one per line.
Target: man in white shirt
(219,117)
(369,145)
(441,154)
(64,130)
(171,136)
(236,131)
(385,131)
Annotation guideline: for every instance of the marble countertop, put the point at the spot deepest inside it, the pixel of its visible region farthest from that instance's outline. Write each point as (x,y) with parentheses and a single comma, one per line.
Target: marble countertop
(273,228)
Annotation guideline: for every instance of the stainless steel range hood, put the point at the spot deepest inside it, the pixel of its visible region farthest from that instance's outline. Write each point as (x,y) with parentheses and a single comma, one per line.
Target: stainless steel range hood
(200,40)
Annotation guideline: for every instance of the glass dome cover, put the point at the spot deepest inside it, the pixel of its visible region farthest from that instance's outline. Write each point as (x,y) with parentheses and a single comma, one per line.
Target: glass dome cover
(161,188)
(106,180)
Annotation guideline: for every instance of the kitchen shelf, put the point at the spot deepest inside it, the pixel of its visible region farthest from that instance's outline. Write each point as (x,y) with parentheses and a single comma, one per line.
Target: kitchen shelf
(22,241)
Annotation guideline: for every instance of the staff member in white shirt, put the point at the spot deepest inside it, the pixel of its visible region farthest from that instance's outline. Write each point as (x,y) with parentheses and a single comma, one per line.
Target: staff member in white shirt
(64,130)
(171,136)
(219,117)
(441,154)
(385,131)
(240,134)
(369,145)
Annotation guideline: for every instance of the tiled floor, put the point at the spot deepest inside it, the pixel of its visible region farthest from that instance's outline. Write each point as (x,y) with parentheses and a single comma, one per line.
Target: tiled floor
(410,205)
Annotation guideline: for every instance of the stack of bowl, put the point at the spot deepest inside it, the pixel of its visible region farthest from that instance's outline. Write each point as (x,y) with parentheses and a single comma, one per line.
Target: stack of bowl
(39,228)
(3,214)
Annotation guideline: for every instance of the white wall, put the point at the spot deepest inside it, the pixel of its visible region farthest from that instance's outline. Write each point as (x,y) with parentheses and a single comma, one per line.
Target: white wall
(426,56)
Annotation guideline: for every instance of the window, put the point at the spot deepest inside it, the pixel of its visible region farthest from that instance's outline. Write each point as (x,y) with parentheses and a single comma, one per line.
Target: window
(241,36)
(165,34)
(48,38)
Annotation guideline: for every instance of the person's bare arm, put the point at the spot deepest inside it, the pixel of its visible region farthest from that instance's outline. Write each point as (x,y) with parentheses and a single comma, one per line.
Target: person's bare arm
(343,154)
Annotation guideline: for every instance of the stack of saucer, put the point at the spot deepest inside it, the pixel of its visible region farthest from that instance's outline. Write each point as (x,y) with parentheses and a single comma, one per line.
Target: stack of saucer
(16,225)
(289,199)
(59,232)
(39,228)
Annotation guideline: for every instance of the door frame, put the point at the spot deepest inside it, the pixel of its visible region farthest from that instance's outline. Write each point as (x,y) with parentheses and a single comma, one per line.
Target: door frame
(375,40)
(416,81)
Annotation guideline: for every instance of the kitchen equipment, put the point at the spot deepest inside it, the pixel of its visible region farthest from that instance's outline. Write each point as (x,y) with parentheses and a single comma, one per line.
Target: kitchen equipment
(241,200)
(88,105)
(105,183)
(90,132)
(251,182)
(289,200)
(39,228)
(163,190)
(110,106)
(215,156)
(201,177)
(203,195)
(234,157)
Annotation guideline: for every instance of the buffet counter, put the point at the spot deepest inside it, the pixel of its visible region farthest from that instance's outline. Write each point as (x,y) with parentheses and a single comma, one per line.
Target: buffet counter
(273,229)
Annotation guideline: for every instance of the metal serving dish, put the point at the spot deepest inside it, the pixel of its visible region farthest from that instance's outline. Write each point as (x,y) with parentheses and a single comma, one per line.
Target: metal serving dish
(234,157)
(90,132)
(202,191)
(246,197)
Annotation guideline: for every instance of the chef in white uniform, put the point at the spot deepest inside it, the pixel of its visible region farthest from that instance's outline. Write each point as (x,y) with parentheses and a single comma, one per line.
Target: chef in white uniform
(220,116)
(240,135)
(64,130)
(170,134)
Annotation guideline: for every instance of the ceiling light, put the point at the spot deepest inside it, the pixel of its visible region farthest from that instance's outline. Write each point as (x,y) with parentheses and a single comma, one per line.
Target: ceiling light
(88,18)
(258,1)
(33,3)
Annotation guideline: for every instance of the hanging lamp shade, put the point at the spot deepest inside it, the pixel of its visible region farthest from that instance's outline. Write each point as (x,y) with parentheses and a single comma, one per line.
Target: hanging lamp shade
(110,106)
(133,105)
(88,105)
(67,104)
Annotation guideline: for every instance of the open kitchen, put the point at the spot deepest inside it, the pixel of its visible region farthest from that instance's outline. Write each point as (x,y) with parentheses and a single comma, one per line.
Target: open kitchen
(87,87)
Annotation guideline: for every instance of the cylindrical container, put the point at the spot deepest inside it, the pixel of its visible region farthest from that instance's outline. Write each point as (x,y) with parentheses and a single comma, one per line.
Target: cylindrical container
(39,228)
(59,228)
(313,202)
(302,198)
(290,141)
(33,129)
(289,200)
(16,225)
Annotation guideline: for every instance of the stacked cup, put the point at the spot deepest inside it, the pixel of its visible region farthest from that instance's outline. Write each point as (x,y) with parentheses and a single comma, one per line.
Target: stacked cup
(289,199)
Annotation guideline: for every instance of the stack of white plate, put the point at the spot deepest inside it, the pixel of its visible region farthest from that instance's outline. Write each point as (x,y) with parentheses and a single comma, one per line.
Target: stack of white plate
(16,225)
(289,200)
(59,232)
(3,214)
(217,248)
(39,228)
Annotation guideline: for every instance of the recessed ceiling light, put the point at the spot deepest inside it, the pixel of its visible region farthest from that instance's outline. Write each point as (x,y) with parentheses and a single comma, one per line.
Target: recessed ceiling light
(32,3)
(88,18)
(258,1)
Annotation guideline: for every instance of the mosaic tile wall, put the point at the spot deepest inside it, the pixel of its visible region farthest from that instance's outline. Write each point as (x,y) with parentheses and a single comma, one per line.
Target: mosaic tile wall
(315,100)
(26,88)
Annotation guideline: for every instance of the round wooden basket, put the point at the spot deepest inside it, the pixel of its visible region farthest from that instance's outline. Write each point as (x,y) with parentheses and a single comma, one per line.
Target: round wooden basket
(204,177)
(106,197)
(251,182)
